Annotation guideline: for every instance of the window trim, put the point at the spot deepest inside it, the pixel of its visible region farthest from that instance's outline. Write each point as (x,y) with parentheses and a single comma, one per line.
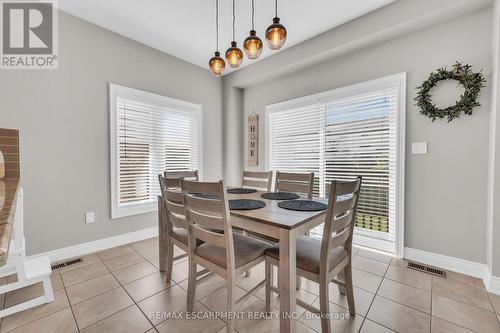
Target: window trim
(114,90)
(396,80)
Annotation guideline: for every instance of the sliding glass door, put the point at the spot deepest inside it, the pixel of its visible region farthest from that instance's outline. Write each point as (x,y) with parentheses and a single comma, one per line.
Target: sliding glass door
(342,134)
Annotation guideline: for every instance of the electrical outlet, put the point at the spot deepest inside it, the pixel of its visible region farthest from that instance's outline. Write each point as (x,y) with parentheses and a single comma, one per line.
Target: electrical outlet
(89,217)
(419,148)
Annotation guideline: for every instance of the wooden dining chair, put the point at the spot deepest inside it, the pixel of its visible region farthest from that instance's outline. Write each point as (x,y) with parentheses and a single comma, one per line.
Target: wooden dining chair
(328,260)
(191,175)
(259,180)
(173,226)
(300,183)
(223,252)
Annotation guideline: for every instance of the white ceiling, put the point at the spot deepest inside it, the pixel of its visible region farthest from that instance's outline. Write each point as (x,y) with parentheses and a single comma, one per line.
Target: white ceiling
(186,28)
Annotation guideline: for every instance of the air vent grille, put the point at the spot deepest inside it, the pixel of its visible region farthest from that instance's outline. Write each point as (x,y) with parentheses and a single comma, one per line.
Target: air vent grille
(66,263)
(427,269)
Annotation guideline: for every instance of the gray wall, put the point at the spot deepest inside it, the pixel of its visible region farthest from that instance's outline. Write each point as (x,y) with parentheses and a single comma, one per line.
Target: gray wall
(63,119)
(445,189)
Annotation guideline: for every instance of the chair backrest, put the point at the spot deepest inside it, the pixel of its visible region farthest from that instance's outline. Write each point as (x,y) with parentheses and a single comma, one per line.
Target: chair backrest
(300,183)
(206,216)
(259,180)
(340,217)
(190,175)
(172,200)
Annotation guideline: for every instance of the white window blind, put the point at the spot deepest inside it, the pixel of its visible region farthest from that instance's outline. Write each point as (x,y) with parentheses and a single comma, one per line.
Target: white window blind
(361,141)
(150,134)
(340,135)
(296,141)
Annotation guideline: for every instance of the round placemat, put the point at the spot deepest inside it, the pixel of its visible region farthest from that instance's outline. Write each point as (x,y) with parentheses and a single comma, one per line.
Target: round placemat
(206,196)
(280,196)
(302,205)
(246,204)
(241,190)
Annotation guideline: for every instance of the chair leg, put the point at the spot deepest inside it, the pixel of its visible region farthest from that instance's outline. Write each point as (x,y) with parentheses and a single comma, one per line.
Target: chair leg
(169,264)
(298,283)
(231,304)
(191,285)
(246,273)
(349,289)
(269,283)
(341,277)
(324,305)
(47,289)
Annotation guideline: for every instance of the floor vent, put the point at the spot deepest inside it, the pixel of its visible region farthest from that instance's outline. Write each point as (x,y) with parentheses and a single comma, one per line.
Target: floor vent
(66,264)
(427,269)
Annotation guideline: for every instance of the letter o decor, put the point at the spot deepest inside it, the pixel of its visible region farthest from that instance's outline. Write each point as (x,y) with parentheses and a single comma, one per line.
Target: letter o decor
(472,82)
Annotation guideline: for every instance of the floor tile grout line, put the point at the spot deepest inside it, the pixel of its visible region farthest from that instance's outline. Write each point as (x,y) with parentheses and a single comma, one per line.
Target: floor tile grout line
(469,304)
(406,284)
(375,296)
(120,286)
(494,309)
(70,307)
(136,303)
(67,297)
(49,314)
(450,322)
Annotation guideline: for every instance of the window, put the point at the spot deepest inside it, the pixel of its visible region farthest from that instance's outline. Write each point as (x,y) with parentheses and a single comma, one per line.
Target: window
(150,134)
(343,133)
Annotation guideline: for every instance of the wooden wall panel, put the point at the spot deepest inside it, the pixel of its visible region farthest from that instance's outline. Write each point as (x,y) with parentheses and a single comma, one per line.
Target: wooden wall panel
(9,145)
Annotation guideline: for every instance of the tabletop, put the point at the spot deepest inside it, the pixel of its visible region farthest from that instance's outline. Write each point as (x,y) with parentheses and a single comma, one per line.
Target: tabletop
(274,215)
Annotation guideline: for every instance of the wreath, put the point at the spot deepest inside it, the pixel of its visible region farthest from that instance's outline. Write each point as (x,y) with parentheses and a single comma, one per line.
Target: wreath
(472,82)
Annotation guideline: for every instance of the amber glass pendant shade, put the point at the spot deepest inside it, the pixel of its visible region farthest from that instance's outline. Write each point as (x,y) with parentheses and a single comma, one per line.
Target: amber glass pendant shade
(217,64)
(276,35)
(253,45)
(234,55)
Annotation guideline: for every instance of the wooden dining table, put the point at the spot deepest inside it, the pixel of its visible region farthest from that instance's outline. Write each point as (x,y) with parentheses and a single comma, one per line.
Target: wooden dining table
(284,226)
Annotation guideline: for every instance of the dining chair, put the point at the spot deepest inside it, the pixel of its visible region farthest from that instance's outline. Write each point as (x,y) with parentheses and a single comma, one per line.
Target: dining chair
(295,182)
(300,183)
(174,226)
(259,180)
(191,175)
(223,252)
(328,260)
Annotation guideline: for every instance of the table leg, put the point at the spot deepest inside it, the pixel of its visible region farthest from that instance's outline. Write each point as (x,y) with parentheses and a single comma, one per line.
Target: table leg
(161,237)
(287,281)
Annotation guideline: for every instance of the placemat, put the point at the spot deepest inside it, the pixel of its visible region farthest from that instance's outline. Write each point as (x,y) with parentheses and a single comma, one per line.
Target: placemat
(206,196)
(246,204)
(241,190)
(280,196)
(302,205)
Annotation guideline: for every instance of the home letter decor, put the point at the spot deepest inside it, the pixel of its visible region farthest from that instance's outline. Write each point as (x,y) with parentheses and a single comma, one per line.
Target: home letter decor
(253,139)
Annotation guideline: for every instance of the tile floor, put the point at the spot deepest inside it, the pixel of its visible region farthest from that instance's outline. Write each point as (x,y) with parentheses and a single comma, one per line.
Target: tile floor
(117,290)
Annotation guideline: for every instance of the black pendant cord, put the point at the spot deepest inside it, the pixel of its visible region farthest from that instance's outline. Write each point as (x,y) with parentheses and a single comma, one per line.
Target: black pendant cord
(217,24)
(253,15)
(234,19)
(276,8)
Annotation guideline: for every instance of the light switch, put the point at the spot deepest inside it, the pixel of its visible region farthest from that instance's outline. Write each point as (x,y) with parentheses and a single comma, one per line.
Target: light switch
(419,148)
(89,217)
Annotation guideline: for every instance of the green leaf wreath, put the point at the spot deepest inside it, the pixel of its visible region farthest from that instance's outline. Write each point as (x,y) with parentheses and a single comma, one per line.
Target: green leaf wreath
(472,82)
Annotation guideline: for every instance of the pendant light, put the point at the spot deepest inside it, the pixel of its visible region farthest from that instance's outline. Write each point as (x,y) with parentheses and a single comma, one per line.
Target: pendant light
(234,55)
(216,63)
(253,44)
(276,32)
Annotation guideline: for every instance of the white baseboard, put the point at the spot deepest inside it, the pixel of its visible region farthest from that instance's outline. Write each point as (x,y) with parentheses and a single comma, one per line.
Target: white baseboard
(458,265)
(467,267)
(98,245)
(493,284)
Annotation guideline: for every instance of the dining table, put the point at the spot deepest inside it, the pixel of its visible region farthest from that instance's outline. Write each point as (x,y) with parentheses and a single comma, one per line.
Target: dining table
(284,226)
